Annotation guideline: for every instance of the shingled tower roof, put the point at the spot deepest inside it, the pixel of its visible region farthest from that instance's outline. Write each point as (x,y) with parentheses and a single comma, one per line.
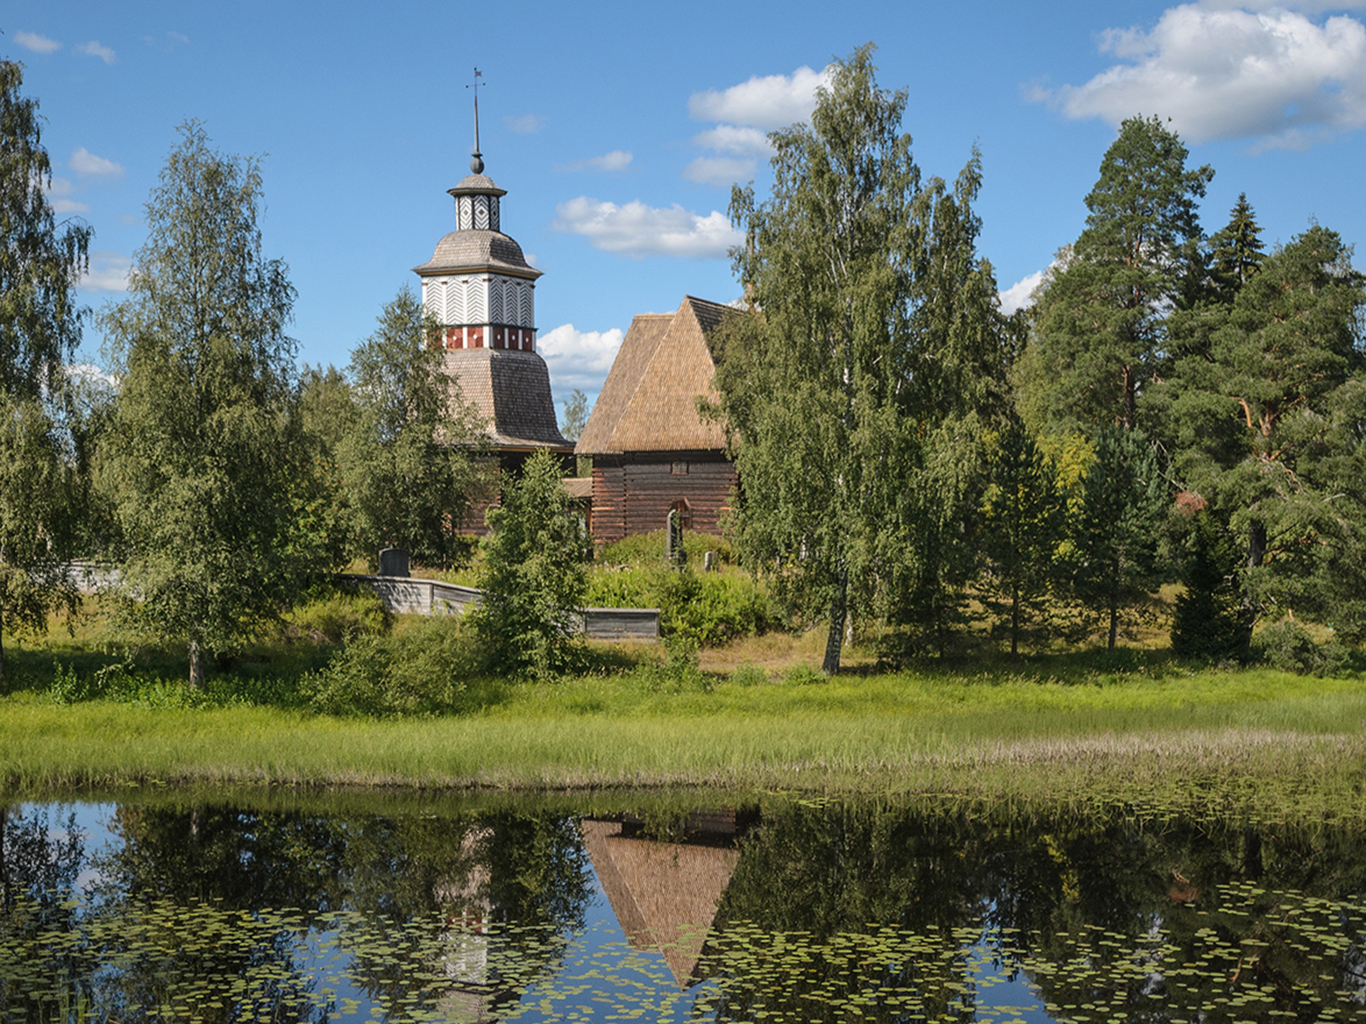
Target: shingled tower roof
(649,401)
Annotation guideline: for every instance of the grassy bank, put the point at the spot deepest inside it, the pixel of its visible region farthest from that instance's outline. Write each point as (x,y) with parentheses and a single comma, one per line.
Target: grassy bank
(1250,738)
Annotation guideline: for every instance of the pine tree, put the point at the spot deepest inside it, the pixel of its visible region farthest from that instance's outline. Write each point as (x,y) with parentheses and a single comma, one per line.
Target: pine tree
(1235,252)
(1100,327)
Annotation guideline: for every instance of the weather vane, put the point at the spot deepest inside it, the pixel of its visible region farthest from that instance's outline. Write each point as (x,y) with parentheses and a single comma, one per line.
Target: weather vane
(477,164)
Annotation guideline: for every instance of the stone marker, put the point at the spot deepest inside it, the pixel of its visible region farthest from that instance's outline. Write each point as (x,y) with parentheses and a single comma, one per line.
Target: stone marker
(393,562)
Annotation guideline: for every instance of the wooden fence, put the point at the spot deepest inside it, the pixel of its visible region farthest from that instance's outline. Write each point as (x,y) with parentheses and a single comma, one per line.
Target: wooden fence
(409,596)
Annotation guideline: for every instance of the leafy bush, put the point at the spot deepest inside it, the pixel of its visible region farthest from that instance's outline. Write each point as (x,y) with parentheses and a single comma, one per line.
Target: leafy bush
(426,669)
(710,608)
(1290,647)
(749,675)
(802,674)
(647,549)
(679,671)
(334,615)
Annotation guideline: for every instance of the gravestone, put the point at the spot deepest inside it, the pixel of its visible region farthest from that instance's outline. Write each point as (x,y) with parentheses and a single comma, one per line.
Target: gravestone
(673,539)
(393,562)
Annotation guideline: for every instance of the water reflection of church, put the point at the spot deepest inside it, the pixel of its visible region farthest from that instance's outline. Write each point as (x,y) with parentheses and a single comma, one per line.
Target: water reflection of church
(665,894)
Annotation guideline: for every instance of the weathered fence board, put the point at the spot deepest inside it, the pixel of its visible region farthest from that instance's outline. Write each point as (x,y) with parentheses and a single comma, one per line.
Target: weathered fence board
(405,595)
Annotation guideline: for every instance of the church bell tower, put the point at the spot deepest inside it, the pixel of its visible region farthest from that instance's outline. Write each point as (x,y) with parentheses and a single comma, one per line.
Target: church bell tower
(481,291)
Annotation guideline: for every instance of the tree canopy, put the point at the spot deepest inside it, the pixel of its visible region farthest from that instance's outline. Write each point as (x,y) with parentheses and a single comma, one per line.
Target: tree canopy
(203,451)
(874,321)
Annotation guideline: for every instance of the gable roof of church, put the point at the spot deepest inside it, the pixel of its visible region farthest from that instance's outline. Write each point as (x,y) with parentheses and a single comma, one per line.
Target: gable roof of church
(649,400)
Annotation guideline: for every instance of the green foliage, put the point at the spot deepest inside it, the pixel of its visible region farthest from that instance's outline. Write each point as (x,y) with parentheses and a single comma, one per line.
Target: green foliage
(533,574)
(1124,503)
(1023,522)
(336,615)
(679,672)
(1290,647)
(1235,252)
(40,328)
(876,322)
(647,549)
(575,415)
(426,669)
(203,451)
(410,457)
(1206,624)
(711,608)
(1266,416)
(39,511)
(1101,322)
(40,266)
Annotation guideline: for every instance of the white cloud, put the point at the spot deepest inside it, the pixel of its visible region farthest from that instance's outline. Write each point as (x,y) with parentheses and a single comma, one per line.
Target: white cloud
(617,160)
(1223,72)
(59,192)
(38,44)
(94,49)
(1021,293)
(768,102)
(639,230)
(85,162)
(168,42)
(108,272)
(527,124)
(727,138)
(578,359)
(720,170)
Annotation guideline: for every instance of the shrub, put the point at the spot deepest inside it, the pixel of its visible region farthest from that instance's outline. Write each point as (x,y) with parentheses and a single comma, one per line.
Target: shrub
(647,549)
(334,615)
(533,575)
(679,671)
(426,669)
(709,608)
(1290,647)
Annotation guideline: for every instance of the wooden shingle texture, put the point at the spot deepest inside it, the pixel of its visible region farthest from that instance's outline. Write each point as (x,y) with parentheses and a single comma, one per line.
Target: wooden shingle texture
(511,390)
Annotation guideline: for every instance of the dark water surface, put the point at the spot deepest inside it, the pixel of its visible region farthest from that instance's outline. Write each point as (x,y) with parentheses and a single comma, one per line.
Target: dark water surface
(787,911)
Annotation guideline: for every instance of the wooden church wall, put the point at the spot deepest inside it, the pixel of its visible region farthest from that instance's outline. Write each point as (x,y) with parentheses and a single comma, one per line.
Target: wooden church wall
(633,493)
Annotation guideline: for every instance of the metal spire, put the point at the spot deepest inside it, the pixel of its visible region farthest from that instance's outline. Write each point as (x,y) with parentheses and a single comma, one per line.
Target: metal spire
(477,163)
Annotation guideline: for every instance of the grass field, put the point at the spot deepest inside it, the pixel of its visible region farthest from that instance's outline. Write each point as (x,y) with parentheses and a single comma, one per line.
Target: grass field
(1067,729)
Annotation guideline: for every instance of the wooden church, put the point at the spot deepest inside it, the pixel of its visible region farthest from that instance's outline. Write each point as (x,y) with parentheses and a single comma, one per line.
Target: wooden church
(652,452)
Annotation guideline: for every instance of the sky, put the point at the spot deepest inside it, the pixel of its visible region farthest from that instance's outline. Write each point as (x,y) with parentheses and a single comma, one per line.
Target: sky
(618,129)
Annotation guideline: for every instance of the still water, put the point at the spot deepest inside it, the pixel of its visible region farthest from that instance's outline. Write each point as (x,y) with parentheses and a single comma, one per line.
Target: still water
(781,911)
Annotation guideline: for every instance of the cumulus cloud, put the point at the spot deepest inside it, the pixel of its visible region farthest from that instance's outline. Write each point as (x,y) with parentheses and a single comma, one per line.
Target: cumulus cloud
(746,113)
(578,359)
(38,44)
(1227,72)
(639,230)
(527,124)
(59,192)
(85,162)
(728,138)
(108,272)
(94,49)
(1021,293)
(617,160)
(720,170)
(765,102)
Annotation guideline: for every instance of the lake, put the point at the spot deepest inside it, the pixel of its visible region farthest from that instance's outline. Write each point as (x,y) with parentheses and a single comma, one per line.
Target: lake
(398,907)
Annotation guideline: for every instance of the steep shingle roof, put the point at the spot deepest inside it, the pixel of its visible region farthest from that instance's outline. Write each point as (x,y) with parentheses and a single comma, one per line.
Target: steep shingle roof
(649,401)
(511,389)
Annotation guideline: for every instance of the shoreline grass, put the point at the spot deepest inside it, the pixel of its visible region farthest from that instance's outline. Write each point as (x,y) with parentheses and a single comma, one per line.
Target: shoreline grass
(1252,740)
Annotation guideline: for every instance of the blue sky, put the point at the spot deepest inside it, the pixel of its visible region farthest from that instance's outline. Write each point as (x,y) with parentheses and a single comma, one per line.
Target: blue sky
(618,128)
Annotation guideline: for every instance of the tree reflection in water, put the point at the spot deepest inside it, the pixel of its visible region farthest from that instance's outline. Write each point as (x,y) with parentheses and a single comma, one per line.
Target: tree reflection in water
(825,911)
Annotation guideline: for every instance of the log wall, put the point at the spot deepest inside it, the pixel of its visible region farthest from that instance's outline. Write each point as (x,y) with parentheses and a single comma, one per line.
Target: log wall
(633,492)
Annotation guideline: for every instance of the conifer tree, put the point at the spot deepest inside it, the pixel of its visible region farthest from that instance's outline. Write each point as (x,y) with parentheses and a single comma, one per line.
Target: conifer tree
(1235,252)
(1100,327)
